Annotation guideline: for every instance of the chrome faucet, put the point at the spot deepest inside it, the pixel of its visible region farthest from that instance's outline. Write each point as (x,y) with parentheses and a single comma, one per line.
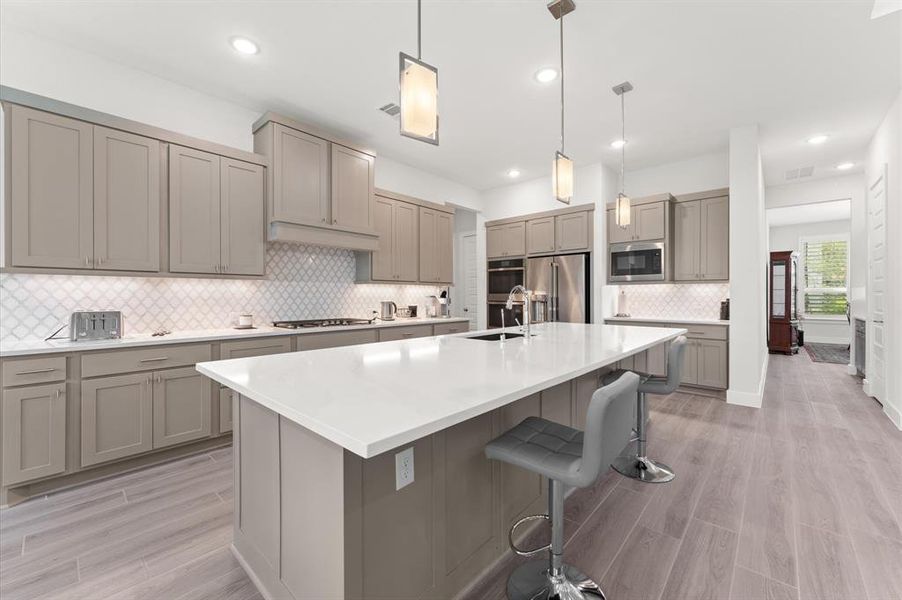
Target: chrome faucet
(519,289)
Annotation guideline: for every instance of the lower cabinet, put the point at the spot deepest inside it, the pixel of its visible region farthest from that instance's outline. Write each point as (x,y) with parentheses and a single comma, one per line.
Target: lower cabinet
(225,409)
(705,363)
(116,417)
(181,406)
(404,333)
(34,432)
(449,328)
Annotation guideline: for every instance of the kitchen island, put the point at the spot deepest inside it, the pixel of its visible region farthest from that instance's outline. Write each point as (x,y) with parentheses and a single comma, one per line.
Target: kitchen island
(322,506)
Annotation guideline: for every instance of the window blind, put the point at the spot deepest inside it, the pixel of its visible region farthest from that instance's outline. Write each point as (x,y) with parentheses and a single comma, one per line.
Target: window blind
(825,277)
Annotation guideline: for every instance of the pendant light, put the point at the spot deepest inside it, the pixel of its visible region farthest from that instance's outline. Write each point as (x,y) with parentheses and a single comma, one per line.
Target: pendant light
(562,167)
(622,205)
(418,87)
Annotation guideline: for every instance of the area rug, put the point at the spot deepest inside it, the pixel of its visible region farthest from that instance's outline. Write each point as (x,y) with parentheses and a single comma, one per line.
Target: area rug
(828,353)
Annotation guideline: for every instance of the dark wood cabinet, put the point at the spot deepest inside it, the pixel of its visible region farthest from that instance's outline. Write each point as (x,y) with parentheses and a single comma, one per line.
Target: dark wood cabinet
(783,318)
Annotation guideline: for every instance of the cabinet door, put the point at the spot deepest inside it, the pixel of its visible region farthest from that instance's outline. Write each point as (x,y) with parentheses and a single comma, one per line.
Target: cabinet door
(712,363)
(494,241)
(686,240)
(515,239)
(715,238)
(572,231)
(34,432)
(406,241)
(116,417)
(126,201)
(540,235)
(181,406)
(51,180)
(521,490)
(225,409)
(428,256)
(617,234)
(353,188)
(656,360)
(649,221)
(689,373)
(300,177)
(194,207)
(242,242)
(444,247)
(383,259)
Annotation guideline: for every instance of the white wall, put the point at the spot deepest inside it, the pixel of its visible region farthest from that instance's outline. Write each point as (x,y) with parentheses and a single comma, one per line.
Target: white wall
(593,184)
(886,149)
(695,174)
(787,237)
(748,240)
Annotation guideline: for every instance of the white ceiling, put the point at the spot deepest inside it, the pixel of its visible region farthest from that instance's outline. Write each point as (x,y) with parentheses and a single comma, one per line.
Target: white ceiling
(816,212)
(699,68)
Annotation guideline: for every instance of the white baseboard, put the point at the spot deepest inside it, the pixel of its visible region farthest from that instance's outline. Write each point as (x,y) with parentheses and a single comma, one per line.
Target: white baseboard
(826,340)
(753,399)
(851,370)
(894,415)
(866,386)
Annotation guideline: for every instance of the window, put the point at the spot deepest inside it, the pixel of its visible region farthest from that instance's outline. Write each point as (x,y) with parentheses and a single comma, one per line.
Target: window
(825,265)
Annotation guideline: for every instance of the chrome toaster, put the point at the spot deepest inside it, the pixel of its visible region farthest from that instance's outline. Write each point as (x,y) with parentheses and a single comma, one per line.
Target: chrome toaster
(95,325)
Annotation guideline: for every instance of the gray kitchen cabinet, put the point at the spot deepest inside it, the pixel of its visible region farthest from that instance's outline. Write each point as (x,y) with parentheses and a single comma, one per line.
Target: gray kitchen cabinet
(52,196)
(194,211)
(181,406)
(556,404)
(572,231)
(243,349)
(126,201)
(34,432)
(540,236)
(650,221)
(715,238)
(449,328)
(382,266)
(116,417)
(506,240)
(656,359)
(388,334)
(225,409)
(317,341)
(712,363)
(397,258)
(618,234)
(701,232)
(689,373)
(301,184)
(242,241)
(353,188)
(521,490)
(686,238)
(436,242)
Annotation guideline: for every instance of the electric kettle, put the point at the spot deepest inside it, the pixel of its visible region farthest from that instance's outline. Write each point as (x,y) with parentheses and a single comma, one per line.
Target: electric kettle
(389,309)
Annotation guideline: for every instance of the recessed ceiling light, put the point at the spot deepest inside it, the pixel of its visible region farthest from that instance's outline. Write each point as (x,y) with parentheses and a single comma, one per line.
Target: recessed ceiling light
(845,166)
(513,173)
(818,139)
(244,46)
(618,144)
(546,75)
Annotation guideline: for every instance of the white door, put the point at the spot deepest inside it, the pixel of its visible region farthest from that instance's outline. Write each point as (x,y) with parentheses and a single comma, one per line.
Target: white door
(875,369)
(468,293)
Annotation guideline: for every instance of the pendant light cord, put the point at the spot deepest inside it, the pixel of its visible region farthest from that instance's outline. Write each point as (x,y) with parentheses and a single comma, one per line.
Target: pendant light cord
(419,30)
(623,138)
(562,84)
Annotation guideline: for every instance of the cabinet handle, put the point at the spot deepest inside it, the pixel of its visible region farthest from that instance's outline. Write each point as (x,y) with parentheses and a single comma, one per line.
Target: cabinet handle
(87,261)
(158,378)
(154,359)
(60,393)
(35,371)
(406,334)
(225,268)
(335,221)
(149,379)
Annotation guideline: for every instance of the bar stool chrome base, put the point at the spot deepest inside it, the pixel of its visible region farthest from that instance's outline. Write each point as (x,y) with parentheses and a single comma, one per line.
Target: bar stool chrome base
(531,581)
(643,469)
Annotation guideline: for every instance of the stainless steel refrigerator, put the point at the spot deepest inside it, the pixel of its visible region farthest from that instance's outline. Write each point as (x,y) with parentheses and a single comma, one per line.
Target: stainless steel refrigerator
(565,281)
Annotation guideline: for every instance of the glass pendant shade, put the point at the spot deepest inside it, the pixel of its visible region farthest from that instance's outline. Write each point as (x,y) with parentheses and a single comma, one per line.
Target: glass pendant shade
(562,178)
(622,210)
(419,100)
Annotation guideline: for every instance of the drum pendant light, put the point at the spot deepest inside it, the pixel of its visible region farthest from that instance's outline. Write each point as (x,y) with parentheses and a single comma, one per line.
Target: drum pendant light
(622,205)
(418,91)
(562,166)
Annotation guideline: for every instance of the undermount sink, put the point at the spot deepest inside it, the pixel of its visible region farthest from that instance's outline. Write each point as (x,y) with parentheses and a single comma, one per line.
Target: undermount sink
(495,337)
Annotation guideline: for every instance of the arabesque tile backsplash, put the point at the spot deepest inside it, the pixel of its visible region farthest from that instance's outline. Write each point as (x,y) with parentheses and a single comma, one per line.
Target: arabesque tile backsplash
(303,282)
(674,300)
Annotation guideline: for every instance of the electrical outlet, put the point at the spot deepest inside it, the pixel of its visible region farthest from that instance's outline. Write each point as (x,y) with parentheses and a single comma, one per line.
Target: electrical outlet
(403,468)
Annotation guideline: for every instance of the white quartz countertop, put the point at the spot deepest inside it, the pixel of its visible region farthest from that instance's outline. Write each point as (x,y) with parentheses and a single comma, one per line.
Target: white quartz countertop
(665,321)
(375,397)
(30,347)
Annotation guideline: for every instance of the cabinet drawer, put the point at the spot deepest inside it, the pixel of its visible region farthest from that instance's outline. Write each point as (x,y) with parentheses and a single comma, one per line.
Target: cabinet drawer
(143,359)
(446,328)
(316,341)
(255,347)
(404,333)
(34,370)
(707,332)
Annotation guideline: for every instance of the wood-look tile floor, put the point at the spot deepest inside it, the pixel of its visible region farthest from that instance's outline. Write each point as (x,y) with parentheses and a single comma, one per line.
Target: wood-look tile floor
(800,499)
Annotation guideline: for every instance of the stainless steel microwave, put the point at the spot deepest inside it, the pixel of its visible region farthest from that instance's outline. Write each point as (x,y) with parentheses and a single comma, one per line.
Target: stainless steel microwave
(637,261)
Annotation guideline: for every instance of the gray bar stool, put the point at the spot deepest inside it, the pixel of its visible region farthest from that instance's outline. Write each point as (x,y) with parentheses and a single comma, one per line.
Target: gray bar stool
(638,466)
(567,457)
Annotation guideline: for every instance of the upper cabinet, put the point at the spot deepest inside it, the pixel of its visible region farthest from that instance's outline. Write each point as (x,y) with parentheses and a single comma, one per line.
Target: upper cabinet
(701,239)
(89,191)
(562,230)
(322,190)
(648,221)
(436,246)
